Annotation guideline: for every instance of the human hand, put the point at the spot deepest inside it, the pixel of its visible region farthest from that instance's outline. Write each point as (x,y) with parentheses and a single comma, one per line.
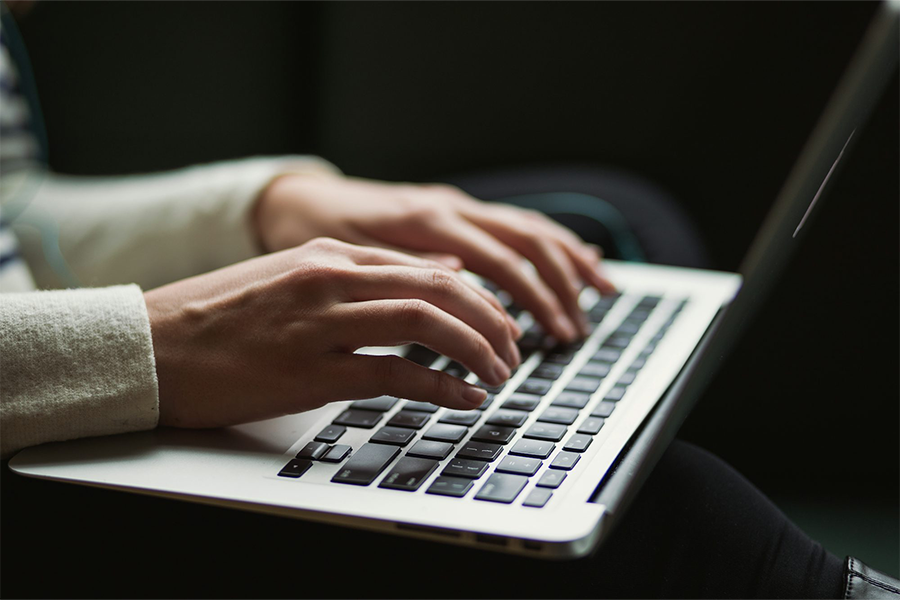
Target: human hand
(276,335)
(489,239)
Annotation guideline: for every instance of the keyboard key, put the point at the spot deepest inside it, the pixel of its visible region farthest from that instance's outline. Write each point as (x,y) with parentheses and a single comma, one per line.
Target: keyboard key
(366,419)
(501,487)
(429,449)
(491,389)
(560,357)
(649,301)
(617,341)
(398,436)
(519,465)
(537,498)
(609,355)
(551,479)
(565,461)
(456,369)
(571,399)
(508,418)
(450,486)
(525,402)
(591,425)
(380,404)
(313,450)
(410,419)
(627,378)
(487,402)
(638,364)
(615,394)
(336,453)
(443,432)
(629,327)
(331,434)
(421,406)
(607,301)
(494,434)
(409,474)
(639,314)
(421,355)
(533,448)
(295,468)
(480,451)
(583,384)
(538,387)
(578,443)
(559,414)
(461,467)
(546,431)
(548,371)
(460,417)
(595,368)
(367,464)
(604,409)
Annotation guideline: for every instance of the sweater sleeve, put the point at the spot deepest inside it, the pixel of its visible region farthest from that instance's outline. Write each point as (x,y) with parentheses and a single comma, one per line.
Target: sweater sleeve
(74,363)
(147,229)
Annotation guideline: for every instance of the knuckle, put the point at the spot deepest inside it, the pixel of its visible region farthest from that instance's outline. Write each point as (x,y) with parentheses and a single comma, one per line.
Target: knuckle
(442,384)
(442,283)
(413,313)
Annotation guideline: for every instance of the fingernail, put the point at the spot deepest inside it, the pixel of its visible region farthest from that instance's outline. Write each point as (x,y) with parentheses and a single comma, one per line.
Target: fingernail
(474,395)
(514,358)
(501,371)
(517,331)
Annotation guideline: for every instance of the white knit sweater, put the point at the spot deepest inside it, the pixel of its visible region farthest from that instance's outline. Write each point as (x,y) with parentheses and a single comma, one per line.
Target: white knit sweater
(79,362)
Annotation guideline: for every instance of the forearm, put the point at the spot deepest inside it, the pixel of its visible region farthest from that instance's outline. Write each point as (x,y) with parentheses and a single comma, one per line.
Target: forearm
(150,229)
(74,363)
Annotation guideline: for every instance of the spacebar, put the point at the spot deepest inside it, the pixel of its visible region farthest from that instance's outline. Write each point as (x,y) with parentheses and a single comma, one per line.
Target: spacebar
(366,464)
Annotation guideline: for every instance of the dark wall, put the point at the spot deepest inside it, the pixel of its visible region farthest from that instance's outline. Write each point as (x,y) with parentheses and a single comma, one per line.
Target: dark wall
(711,100)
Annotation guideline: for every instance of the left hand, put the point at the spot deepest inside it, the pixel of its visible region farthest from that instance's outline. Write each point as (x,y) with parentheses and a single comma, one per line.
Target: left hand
(443,223)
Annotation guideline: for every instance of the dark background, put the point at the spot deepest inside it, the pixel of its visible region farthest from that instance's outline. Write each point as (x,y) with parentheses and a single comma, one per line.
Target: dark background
(712,101)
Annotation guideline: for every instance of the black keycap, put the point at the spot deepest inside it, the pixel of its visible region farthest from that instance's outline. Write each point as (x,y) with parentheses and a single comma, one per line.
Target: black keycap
(609,355)
(380,404)
(629,327)
(366,464)
(480,451)
(295,468)
(538,387)
(450,486)
(546,431)
(559,414)
(627,378)
(313,450)
(571,399)
(595,368)
(525,402)
(336,453)
(648,350)
(607,301)
(639,314)
(501,487)
(591,425)
(649,301)
(460,417)
(410,419)
(429,449)
(533,448)
(398,436)
(617,341)
(548,371)
(537,498)
(637,364)
(578,443)
(615,394)
(530,342)
(409,474)
(461,467)
(520,465)
(595,316)
(604,409)
(494,434)
(583,384)
(565,461)
(366,419)
(331,434)
(508,418)
(421,406)
(491,389)
(443,432)
(421,355)
(456,369)
(560,357)
(551,479)
(487,402)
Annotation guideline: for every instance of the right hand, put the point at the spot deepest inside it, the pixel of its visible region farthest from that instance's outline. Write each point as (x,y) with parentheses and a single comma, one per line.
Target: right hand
(276,335)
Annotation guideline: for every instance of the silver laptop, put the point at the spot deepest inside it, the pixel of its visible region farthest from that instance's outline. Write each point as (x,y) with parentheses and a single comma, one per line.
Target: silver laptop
(552,459)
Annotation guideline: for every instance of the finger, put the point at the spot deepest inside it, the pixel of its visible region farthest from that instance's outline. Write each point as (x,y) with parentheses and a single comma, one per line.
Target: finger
(552,262)
(398,322)
(448,292)
(487,256)
(364,376)
(448,260)
(586,257)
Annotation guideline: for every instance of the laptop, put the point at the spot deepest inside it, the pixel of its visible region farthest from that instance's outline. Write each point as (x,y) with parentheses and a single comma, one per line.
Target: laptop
(547,466)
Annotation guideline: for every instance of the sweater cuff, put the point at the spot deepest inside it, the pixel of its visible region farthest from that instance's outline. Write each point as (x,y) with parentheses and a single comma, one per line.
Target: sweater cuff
(75,363)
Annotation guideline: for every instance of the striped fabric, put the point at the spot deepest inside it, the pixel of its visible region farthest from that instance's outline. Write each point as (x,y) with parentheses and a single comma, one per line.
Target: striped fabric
(20,159)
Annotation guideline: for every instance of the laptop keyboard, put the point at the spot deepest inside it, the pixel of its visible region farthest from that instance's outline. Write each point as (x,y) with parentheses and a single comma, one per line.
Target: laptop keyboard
(493,449)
